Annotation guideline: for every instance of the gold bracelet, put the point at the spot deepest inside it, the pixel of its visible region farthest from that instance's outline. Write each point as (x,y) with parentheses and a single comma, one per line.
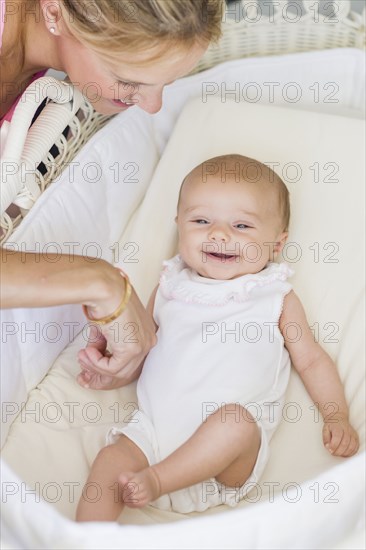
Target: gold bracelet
(120,308)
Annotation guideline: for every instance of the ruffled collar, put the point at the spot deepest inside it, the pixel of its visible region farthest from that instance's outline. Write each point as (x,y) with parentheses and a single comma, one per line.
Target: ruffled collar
(180,282)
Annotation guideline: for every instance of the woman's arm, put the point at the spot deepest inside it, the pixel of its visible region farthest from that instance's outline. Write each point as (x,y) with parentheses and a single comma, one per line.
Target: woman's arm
(320,377)
(35,280)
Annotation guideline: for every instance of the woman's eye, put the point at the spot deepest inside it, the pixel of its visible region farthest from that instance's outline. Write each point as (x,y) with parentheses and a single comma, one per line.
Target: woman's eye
(202,222)
(126,85)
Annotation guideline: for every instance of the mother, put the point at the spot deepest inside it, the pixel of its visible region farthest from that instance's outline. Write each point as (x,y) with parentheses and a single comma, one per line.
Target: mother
(129,50)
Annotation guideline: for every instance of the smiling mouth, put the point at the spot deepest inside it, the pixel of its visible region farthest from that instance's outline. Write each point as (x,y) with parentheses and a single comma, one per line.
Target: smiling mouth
(222,257)
(121,103)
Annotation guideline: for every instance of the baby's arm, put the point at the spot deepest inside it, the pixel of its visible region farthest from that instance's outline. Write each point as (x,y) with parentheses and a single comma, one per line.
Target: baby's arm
(150,305)
(150,310)
(321,379)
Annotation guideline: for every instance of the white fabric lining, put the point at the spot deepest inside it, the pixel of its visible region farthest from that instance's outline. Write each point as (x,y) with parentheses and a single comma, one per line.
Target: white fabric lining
(25,523)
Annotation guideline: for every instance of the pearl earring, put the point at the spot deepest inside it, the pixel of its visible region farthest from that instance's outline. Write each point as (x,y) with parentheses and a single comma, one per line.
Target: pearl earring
(53,30)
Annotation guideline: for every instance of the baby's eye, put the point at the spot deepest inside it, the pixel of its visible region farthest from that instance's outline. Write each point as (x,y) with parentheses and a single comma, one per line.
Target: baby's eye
(200,221)
(242,226)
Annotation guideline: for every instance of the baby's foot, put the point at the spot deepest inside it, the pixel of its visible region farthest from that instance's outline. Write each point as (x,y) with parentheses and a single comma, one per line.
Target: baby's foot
(139,488)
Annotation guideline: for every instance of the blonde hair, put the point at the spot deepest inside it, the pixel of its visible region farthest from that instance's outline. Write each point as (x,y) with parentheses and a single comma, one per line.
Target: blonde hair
(110,27)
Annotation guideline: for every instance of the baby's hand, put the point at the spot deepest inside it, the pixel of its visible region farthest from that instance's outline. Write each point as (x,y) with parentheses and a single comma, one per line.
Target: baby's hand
(339,437)
(95,381)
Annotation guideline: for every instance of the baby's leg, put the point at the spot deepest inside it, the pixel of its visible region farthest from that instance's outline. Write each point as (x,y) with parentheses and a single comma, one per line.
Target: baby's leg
(225,447)
(103,480)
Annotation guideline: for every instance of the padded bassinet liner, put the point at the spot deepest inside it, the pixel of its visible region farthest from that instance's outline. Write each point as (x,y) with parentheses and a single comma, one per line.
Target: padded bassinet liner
(55,451)
(269,525)
(330,285)
(77,214)
(87,208)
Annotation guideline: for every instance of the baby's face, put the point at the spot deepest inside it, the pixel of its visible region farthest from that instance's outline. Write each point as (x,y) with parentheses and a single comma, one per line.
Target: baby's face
(228,229)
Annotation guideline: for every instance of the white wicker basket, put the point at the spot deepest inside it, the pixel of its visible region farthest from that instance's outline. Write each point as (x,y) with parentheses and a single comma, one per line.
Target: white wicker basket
(285,27)
(34,155)
(247,32)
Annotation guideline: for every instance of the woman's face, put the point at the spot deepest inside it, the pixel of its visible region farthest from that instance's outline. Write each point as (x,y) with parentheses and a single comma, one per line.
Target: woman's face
(133,80)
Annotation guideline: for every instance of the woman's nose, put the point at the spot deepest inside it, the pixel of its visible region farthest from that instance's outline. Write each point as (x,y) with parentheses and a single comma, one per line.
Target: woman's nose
(152,102)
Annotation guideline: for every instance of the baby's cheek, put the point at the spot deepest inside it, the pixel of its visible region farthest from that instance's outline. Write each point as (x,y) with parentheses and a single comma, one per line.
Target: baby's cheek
(184,254)
(268,254)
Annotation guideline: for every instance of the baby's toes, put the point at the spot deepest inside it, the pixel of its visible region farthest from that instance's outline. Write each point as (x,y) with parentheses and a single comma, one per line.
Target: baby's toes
(130,488)
(134,489)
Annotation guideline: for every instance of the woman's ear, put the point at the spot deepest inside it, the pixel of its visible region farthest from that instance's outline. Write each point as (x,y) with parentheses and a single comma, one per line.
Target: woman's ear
(51,11)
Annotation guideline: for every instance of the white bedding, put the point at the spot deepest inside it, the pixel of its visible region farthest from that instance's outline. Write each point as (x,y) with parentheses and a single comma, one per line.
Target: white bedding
(78,213)
(283,523)
(60,448)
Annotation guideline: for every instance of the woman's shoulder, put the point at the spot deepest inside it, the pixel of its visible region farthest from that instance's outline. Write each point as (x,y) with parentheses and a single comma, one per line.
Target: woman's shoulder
(2,20)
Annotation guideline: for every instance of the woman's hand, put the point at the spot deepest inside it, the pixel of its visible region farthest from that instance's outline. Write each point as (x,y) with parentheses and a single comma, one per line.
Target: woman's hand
(115,352)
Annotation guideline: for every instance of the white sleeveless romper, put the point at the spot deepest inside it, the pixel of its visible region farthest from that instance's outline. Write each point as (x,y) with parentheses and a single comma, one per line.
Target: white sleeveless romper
(218,343)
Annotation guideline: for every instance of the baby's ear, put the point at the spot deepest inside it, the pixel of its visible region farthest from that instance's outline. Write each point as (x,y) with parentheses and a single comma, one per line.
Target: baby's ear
(280,242)
(176,219)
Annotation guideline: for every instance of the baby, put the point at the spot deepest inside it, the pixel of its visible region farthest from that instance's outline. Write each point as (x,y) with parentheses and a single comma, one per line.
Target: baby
(211,391)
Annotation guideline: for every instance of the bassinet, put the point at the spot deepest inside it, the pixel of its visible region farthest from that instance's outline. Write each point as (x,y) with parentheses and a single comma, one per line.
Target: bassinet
(293,512)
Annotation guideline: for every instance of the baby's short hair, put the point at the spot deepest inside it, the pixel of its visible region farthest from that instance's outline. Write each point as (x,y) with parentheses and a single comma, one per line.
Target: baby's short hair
(246,169)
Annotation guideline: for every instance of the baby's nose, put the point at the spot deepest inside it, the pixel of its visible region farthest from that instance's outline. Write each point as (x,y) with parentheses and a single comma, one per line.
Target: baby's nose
(218,234)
